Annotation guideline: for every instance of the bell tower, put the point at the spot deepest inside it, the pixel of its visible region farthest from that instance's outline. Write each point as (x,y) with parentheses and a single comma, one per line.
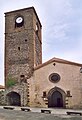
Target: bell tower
(23,43)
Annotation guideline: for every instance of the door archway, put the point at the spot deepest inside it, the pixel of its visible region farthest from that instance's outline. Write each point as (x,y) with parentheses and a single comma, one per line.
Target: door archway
(56,98)
(13,99)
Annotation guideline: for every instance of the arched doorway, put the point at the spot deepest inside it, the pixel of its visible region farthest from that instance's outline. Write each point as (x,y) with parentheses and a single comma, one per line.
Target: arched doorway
(13,99)
(56,98)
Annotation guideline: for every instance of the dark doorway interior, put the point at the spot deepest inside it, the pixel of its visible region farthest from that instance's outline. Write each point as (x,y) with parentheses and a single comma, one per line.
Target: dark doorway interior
(13,99)
(55,100)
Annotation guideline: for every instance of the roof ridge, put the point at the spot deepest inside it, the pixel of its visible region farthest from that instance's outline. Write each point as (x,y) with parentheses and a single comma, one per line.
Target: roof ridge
(1,86)
(54,59)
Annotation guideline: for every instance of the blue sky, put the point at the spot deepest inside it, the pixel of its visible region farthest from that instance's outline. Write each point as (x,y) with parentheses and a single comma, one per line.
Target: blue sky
(61,28)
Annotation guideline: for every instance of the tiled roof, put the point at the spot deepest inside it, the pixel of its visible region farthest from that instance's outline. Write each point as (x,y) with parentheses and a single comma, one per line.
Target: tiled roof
(59,61)
(2,87)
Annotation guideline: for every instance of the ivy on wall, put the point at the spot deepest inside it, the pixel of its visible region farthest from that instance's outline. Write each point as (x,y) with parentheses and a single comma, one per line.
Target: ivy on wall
(10,82)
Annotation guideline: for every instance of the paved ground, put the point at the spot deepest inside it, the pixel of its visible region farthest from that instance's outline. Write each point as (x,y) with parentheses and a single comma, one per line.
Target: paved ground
(35,114)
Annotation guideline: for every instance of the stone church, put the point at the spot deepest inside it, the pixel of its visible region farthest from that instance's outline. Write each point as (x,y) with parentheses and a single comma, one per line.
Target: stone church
(28,81)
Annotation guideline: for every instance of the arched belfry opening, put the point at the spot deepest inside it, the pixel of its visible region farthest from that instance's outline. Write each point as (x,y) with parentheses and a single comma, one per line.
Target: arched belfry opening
(56,98)
(13,99)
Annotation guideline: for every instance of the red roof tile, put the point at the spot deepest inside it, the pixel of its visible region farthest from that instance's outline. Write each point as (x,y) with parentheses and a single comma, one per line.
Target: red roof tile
(2,87)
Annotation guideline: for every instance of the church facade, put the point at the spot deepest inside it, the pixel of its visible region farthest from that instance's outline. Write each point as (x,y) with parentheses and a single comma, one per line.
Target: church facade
(28,81)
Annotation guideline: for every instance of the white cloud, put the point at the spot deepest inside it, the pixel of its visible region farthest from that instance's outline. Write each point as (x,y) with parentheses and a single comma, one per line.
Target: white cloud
(64,26)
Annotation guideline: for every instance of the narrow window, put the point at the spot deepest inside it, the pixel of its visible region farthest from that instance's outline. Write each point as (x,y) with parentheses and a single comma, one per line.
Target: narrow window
(19,48)
(25,40)
(22,76)
(68,93)
(44,94)
(37,29)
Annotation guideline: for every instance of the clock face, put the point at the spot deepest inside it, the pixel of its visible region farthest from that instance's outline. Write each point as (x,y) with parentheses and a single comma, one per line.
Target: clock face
(19,20)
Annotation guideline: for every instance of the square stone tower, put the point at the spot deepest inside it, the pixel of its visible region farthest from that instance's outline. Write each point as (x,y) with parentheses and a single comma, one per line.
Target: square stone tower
(23,44)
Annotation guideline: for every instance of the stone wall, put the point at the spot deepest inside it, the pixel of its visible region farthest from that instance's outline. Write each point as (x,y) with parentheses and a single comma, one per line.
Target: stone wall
(20,45)
(2,98)
(22,90)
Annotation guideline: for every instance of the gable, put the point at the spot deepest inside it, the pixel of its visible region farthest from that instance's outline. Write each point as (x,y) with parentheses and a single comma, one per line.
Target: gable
(58,60)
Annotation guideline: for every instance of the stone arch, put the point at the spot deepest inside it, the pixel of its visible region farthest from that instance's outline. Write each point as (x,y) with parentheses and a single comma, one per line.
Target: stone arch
(13,99)
(56,97)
